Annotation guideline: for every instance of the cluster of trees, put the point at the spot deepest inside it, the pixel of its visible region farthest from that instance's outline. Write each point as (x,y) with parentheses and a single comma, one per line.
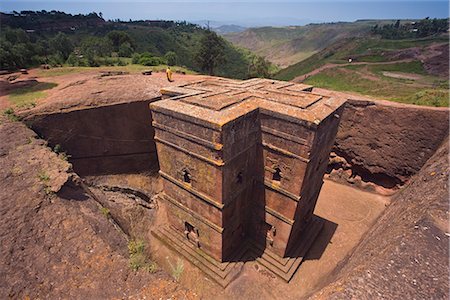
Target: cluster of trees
(422,28)
(18,49)
(147,43)
(50,20)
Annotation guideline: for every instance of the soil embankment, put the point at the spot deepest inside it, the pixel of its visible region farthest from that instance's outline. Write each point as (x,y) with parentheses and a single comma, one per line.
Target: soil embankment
(109,139)
(102,122)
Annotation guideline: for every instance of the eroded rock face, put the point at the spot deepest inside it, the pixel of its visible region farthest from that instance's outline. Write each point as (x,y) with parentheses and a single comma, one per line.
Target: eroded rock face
(55,242)
(109,139)
(405,254)
(385,143)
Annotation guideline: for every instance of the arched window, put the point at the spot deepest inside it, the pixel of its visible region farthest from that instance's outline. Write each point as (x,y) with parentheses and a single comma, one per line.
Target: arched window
(277,174)
(186,176)
(239,178)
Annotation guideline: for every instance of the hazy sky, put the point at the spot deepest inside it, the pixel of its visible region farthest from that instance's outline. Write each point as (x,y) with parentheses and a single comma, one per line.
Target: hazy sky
(245,13)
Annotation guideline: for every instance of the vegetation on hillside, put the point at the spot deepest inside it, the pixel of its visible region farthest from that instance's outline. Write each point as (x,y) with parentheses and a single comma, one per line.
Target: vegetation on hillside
(422,28)
(211,52)
(409,70)
(288,45)
(428,91)
(29,39)
(285,46)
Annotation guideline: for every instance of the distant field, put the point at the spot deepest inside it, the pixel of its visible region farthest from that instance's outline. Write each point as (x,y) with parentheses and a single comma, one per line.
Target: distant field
(132,68)
(361,49)
(409,71)
(369,80)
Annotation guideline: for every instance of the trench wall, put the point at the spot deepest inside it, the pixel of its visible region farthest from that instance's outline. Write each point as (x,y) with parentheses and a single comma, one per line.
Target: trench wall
(378,142)
(385,142)
(111,139)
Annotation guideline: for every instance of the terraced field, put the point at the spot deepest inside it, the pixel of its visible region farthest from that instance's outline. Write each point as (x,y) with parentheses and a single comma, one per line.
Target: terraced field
(408,71)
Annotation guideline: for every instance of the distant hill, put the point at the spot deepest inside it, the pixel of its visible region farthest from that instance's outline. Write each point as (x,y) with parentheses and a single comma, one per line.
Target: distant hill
(285,46)
(226,29)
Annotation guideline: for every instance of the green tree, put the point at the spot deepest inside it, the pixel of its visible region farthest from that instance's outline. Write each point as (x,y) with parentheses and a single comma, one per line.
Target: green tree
(61,45)
(171,58)
(259,67)
(118,38)
(125,50)
(135,58)
(211,52)
(94,46)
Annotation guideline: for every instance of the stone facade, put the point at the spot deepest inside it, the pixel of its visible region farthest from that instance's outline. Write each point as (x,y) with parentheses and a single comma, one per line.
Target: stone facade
(242,162)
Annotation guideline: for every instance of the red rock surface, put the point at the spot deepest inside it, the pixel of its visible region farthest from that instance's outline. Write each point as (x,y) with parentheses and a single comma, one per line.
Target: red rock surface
(405,254)
(54,241)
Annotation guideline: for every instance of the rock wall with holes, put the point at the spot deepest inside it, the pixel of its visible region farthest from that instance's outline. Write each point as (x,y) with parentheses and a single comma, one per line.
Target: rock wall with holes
(385,143)
(110,139)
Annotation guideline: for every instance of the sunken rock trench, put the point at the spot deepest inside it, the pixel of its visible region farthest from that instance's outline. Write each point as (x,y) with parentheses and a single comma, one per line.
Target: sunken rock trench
(379,144)
(383,144)
(110,139)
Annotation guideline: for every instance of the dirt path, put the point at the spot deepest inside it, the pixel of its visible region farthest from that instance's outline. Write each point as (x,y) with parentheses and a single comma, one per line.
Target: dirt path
(302,78)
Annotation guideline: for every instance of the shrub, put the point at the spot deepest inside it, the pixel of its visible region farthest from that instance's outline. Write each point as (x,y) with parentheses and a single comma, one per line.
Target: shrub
(177,270)
(125,50)
(43,177)
(11,115)
(105,211)
(135,58)
(121,62)
(136,249)
(149,61)
(171,58)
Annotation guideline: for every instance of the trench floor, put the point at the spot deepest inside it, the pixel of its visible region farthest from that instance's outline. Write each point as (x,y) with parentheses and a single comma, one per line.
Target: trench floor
(349,213)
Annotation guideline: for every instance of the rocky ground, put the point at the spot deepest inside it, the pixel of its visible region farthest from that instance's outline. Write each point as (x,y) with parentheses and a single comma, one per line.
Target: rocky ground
(56,239)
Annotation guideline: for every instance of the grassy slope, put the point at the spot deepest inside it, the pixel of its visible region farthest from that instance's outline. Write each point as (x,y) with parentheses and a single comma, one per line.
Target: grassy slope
(25,97)
(288,45)
(367,50)
(371,79)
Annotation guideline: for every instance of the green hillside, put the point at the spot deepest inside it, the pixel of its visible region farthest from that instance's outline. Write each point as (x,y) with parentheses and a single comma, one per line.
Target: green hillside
(370,49)
(285,46)
(407,70)
(29,39)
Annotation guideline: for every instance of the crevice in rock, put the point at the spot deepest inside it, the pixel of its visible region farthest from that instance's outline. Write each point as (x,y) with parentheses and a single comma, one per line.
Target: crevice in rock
(342,166)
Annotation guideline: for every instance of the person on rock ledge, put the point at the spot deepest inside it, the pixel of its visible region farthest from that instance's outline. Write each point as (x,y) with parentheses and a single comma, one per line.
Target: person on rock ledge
(169,74)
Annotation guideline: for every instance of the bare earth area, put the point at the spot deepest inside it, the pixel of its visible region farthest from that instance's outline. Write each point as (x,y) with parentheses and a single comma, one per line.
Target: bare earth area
(408,76)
